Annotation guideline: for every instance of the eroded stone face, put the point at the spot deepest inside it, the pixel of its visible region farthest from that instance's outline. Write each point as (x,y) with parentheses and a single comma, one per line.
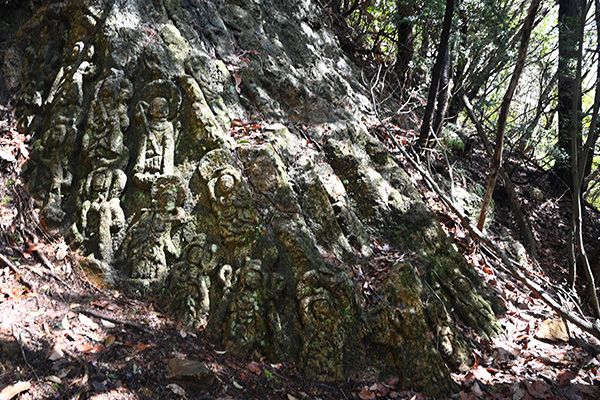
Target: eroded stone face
(153,151)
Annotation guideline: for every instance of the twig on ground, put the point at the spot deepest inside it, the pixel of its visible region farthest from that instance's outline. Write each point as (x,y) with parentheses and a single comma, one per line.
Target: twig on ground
(116,321)
(84,380)
(49,267)
(18,339)
(14,269)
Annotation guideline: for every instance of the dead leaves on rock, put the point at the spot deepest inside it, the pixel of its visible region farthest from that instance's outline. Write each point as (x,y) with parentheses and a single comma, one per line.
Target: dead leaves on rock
(385,390)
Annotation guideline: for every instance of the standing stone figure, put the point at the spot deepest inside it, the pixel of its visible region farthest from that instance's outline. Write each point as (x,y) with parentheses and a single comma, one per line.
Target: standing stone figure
(321,298)
(150,237)
(101,217)
(190,280)
(53,169)
(107,121)
(66,92)
(246,327)
(157,146)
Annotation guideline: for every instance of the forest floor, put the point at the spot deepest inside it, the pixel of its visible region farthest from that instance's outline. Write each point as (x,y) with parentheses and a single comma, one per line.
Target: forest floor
(64,335)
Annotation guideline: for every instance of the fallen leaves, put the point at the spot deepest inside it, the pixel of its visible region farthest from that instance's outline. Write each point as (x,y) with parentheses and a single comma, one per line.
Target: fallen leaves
(565,377)
(61,251)
(176,389)
(366,394)
(13,390)
(379,390)
(56,354)
(186,369)
(87,321)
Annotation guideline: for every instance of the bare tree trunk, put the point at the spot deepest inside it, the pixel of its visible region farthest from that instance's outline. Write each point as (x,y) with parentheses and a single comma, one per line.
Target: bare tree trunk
(405,41)
(577,176)
(588,149)
(515,205)
(443,95)
(568,104)
(502,118)
(436,74)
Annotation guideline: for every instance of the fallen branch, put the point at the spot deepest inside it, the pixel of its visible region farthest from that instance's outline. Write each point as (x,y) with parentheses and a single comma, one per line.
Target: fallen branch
(16,271)
(116,321)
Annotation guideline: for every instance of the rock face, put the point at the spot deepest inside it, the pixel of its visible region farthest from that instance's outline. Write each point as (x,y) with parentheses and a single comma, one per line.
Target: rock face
(211,153)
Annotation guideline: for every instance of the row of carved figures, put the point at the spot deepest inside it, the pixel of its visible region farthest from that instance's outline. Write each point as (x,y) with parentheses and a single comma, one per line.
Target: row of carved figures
(241,306)
(101,220)
(248,294)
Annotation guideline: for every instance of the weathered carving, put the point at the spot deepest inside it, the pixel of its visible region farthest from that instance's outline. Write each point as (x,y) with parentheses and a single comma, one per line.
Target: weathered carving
(102,143)
(53,172)
(150,236)
(246,327)
(101,217)
(157,147)
(323,296)
(230,201)
(190,281)
(55,149)
(66,92)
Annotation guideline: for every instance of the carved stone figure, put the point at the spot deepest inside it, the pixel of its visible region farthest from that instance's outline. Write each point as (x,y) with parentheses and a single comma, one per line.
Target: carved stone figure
(52,172)
(322,295)
(67,89)
(157,147)
(101,217)
(103,140)
(190,280)
(150,236)
(230,200)
(246,327)
(221,295)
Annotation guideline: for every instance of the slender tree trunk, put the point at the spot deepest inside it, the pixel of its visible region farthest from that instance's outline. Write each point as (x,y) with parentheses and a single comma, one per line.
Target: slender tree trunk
(405,42)
(443,95)
(513,199)
(577,247)
(568,13)
(456,103)
(502,118)
(436,73)
(590,144)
